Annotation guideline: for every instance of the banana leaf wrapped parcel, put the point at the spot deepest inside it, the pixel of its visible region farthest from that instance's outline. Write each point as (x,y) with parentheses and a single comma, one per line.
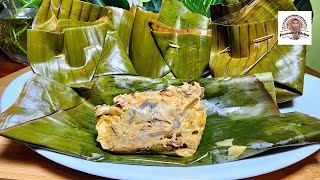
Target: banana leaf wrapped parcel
(171,43)
(245,42)
(236,107)
(79,41)
(151,54)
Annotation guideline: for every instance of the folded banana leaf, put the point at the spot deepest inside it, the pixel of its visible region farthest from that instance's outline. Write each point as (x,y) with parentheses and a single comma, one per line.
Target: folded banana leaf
(196,6)
(144,53)
(79,41)
(220,10)
(50,12)
(40,97)
(268,82)
(174,14)
(186,51)
(246,43)
(236,108)
(69,23)
(230,6)
(71,56)
(122,22)
(113,59)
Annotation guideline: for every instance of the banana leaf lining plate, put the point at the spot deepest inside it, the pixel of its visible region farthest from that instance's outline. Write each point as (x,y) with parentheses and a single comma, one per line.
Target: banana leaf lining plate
(232,170)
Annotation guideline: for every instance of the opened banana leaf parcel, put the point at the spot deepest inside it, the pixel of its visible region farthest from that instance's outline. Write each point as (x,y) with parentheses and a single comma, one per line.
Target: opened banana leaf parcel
(123,86)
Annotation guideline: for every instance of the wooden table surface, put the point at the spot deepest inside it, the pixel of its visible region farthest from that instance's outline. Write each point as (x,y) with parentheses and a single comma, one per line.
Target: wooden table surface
(18,161)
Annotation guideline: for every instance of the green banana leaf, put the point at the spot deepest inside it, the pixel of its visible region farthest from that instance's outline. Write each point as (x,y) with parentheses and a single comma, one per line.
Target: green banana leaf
(40,97)
(269,132)
(72,56)
(113,59)
(246,43)
(196,6)
(144,53)
(236,107)
(220,93)
(174,14)
(159,61)
(122,22)
(186,51)
(230,6)
(252,13)
(50,12)
(69,23)
(84,45)
(220,10)
(72,131)
(268,82)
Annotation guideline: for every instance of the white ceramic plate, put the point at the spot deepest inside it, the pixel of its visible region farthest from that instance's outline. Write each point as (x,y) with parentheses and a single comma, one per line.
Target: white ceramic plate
(233,170)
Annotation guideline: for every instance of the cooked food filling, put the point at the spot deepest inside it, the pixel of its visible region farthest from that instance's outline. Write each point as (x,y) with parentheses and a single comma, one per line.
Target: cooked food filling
(170,121)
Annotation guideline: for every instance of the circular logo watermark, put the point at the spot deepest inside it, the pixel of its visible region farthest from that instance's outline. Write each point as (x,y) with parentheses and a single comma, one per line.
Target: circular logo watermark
(295,27)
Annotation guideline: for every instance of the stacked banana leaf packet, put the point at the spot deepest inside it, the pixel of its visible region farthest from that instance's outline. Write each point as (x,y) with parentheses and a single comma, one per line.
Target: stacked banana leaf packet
(84,55)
